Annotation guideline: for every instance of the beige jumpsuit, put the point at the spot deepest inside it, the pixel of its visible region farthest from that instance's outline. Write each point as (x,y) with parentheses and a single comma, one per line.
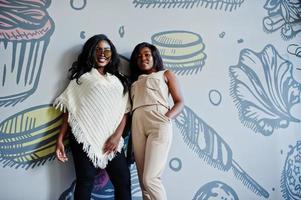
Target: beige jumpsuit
(151,132)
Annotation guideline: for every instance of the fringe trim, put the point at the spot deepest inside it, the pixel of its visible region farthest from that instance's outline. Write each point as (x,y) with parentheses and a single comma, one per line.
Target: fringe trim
(97,158)
(59,104)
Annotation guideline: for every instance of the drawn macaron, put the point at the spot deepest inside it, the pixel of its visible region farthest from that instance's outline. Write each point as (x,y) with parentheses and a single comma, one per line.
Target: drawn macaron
(181,51)
(28,138)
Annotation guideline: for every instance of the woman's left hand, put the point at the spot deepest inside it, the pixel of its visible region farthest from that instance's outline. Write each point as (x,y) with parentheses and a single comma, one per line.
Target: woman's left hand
(111,144)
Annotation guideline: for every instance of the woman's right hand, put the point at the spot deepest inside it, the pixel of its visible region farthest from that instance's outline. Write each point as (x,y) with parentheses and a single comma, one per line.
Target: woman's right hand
(60,151)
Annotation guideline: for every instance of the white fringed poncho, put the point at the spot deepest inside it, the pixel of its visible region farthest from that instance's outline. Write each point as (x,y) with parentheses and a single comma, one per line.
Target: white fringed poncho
(95,107)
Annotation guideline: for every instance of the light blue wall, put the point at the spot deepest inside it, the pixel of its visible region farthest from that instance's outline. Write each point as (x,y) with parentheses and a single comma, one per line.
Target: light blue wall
(239,66)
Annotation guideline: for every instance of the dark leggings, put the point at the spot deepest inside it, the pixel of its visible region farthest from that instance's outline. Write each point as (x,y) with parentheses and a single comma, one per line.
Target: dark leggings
(85,171)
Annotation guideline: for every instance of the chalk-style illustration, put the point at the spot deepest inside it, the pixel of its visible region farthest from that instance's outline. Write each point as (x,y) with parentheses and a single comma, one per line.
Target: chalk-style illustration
(82,35)
(291,174)
(27,139)
(284,15)
(264,90)
(294,49)
(175,164)
(222,34)
(181,51)
(68,194)
(25,30)
(209,146)
(136,191)
(78,4)
(103,188)
(121,31)
(227,5)
(215,97)
(215,190)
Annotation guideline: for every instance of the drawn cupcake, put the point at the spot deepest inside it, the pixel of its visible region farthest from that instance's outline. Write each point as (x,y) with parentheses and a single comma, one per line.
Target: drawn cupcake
(181,51)
(25,30)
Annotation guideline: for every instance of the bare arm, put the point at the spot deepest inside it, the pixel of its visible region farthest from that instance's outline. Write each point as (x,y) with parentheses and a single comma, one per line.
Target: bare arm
(60,149)
(174,89)
(113,141)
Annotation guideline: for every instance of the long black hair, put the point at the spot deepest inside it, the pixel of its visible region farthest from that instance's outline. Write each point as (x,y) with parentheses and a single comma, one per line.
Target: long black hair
(158,63)
(86,60)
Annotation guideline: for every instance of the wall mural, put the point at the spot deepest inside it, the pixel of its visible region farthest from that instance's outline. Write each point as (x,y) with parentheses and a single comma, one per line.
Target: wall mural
(175,164)
(121,31)
(215,190)
(294,49)
(25,31)
(210,147)
(227,5)
(181,51)
(264,90)
(78,4)
(291,174)
(284,15)
(215,97)
(262,87)
(27,139)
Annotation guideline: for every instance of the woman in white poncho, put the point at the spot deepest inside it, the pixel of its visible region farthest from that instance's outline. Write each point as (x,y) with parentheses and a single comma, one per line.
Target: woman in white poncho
(96,105)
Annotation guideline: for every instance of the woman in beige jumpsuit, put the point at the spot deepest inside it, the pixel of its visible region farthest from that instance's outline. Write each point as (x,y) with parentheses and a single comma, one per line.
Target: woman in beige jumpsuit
(151,123)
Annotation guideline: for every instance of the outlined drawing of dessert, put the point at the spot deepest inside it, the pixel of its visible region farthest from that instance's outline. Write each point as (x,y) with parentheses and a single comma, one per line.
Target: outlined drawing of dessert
(291,174)
(25,30)
(28,138)
(264,90)
(181,51)
(78,4)
(294,49)
(227,5)
(284,15)
(204,141)
(215,190)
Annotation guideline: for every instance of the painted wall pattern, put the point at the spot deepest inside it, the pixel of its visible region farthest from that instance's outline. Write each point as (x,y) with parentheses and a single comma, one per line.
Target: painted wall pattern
(27,139)
(210,147)
(294,49)
(227,5)
(25,32)
(284,15)
(181,51)
(215,190)
(264,90)
(291,174)
(208,156)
